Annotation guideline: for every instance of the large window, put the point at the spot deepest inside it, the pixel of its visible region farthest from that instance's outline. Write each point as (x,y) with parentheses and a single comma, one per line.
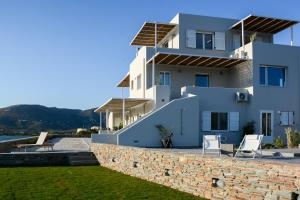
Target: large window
(164,78)
(219,121)
(202,80)
(272,76)
(204,40)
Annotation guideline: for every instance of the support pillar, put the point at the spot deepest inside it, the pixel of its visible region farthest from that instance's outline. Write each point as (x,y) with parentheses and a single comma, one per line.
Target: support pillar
(155,50)
(292,35)
(243,39)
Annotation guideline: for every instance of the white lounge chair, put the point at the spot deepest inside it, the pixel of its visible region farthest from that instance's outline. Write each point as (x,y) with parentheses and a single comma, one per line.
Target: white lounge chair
(39,143)
(211,143)
(250,143)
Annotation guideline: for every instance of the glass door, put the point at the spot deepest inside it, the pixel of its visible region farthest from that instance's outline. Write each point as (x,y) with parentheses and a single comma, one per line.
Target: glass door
(266,125)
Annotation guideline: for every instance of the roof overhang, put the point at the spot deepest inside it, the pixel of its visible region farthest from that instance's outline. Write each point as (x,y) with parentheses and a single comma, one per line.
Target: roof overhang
(146,35)
(263,24)
(116,104)
(125,81)
(195,60)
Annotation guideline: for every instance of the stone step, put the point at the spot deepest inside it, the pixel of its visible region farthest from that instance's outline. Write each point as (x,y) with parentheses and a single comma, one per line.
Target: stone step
(84,162)
(85,157)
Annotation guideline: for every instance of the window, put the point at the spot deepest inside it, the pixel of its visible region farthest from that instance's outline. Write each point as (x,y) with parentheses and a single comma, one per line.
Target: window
(132,84)
(219,121)
(204,40)
(201,80)
(272,76)
(164,78)
(286,118)
(138,82)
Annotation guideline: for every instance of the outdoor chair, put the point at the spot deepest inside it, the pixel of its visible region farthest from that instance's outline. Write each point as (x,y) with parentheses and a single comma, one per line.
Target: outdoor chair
(250,143)
(211,143)
(39,143)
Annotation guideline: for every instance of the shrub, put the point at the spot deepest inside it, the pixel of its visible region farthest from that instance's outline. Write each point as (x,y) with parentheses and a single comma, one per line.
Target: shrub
(292,137)
(249,128)
(84,134)
(268,146)
(278,142)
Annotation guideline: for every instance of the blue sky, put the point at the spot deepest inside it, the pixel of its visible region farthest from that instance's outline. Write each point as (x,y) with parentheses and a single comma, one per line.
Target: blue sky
(71,53)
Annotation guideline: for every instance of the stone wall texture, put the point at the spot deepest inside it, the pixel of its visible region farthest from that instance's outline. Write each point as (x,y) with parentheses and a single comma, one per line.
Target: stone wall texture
(205,176)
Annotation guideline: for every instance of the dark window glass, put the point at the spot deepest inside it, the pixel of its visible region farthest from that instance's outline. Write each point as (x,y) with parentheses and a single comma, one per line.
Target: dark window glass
(208,41)
(201,80)
(214,121)
(167,78)
(223,121)
(262,75)
(276,76)
(219,121)
(161,78)
(199,40)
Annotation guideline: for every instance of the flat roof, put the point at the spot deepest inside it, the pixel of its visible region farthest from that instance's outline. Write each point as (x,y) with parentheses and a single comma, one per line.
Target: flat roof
(146,34)
(264,24)
(195,60)
(125,81)
(116,104)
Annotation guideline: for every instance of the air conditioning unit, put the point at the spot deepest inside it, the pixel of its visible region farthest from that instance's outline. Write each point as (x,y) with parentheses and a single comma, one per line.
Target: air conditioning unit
(242,96)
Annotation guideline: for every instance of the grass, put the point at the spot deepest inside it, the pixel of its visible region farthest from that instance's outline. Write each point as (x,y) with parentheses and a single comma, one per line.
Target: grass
(89,182)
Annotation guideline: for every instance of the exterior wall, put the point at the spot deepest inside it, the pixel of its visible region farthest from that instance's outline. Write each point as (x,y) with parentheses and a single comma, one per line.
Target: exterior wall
(220,100)
(276,98)
(137,67)
(192,173)
(182,76)
(180,116)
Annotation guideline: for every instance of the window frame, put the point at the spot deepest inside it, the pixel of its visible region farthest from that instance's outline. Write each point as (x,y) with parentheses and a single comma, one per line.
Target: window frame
(219,122)
(165,72)
(203,39)
(267,75)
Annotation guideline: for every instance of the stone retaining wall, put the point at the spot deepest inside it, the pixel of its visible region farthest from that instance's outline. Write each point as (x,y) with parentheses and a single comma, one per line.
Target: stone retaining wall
(205,176)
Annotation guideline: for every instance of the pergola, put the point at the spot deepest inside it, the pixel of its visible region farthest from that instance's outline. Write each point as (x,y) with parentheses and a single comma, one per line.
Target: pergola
(119,105)
(195,60)
(254,23)
(150,34)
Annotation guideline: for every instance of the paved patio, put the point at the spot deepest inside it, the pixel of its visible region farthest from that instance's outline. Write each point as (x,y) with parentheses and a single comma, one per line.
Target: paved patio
(65,144)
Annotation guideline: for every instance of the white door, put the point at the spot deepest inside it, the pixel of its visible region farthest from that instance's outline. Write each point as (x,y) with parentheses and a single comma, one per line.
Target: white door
(266,125)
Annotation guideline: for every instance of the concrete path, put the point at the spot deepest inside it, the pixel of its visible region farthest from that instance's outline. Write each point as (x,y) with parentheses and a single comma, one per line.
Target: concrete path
(69,144)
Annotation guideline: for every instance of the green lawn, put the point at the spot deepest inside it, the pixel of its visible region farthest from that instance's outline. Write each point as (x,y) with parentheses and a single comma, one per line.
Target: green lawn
(93,182)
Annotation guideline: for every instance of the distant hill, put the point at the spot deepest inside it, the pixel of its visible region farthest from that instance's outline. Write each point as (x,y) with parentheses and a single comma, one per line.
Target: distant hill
(31,119)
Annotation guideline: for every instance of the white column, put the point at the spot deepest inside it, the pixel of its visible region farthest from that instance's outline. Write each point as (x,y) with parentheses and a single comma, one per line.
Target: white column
(123,108)
(155,50)
(292,35)
(106,118)
(100,127)
(243,38)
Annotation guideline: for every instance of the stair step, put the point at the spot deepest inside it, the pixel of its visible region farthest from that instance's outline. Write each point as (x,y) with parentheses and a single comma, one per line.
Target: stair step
(84,162)
(87,157)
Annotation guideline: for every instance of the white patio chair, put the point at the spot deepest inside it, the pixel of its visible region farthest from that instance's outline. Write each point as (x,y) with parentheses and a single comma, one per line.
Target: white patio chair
(250,143)
(211,143)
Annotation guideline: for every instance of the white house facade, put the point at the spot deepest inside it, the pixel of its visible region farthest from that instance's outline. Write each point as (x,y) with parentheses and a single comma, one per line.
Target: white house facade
(200,75)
